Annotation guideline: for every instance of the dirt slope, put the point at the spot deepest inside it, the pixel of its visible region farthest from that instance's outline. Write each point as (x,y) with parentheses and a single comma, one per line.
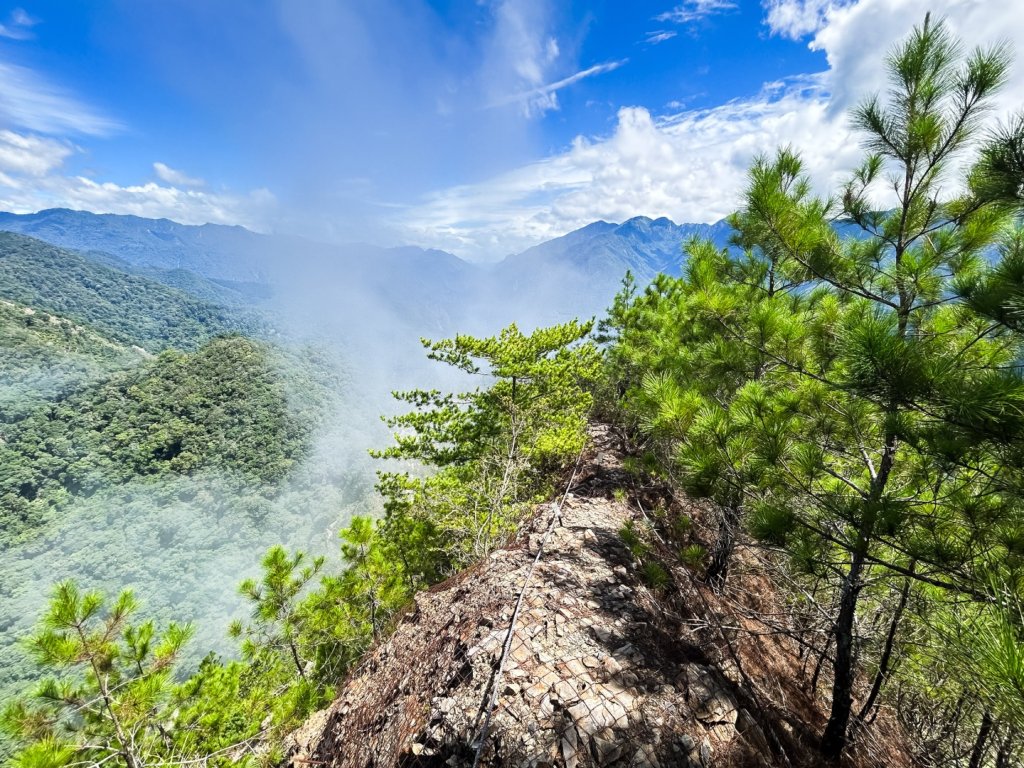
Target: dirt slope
(598,670)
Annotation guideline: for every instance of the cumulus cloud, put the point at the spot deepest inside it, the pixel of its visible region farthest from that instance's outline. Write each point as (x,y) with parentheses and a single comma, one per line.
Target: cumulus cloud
(158,201)
(31,156)
(688,166)
(855,35)
(797,18)
(691,166)
(695,10)
(33,176)
(178,178)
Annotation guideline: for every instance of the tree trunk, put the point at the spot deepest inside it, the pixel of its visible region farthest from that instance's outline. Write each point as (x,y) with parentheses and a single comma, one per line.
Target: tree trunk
(833,741)
(978,753)
(721,558)
(886,659)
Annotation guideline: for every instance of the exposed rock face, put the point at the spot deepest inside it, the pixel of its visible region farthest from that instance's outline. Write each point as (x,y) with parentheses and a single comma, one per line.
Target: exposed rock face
(598,672)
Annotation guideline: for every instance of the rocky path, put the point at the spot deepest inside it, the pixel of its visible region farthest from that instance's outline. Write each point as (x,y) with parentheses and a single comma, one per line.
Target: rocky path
(592,674)
(600,669)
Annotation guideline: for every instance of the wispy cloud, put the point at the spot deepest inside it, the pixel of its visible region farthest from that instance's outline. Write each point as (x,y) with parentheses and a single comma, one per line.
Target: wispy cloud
(19,25)
(29,101)
(544,97)
(660,36)
(178,178)
(30,156)
(695,10)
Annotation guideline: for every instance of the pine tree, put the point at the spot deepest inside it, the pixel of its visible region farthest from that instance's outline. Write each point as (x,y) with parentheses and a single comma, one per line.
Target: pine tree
(874,429)
(489,451)
(111,685)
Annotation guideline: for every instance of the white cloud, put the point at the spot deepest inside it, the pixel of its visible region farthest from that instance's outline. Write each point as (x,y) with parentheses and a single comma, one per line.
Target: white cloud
(545,97)
(19,27)
(157,201)
(797,18)
(177,178)
(33,176)
(526,64)
(29,101)
(856,36)
(688,167)
(31,156)
(522,56)
(695,10)
(659,36)
(691,166)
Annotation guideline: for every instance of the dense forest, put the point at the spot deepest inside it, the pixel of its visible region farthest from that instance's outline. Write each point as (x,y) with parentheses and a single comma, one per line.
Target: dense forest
(850,404)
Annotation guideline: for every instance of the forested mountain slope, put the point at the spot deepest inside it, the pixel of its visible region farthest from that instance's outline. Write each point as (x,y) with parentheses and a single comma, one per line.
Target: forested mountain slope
(125,307)
(143,439)
(222,407)
(46,355)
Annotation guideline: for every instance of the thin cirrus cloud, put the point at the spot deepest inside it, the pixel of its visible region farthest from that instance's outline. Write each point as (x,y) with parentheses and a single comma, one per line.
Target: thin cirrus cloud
(18,26)
(29,101)
(660,36)
(545,97)
(695,10)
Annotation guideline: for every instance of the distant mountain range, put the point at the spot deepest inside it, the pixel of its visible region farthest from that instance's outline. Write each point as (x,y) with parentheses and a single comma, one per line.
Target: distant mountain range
(341,288)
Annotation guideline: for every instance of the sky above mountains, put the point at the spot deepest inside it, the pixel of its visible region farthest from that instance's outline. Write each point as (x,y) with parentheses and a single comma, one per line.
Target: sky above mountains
(476,126)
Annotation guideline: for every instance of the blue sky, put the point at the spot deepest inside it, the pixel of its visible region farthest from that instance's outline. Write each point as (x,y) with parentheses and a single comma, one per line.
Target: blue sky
(480,126)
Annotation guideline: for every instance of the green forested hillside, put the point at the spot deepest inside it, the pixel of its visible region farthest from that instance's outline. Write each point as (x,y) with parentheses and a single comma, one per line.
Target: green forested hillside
(222,407)
(125,307)
(46,356)
(143,440)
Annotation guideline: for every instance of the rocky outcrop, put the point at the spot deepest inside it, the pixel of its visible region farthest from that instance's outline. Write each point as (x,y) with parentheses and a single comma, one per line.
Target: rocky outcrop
(597,669)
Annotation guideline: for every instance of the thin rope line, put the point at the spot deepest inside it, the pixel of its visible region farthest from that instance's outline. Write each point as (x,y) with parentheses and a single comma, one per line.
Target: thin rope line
(496,679)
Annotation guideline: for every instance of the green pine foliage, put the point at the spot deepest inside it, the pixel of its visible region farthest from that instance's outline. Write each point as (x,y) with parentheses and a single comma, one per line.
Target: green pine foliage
(109,696)
(480,458)
(489,452)
(856,400)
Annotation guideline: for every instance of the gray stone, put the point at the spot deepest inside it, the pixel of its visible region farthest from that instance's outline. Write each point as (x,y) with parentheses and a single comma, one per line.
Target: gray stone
(644,759)
(566,692)
(751,732)
(705,753)
(570,747)
(591,715)
(608,749)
